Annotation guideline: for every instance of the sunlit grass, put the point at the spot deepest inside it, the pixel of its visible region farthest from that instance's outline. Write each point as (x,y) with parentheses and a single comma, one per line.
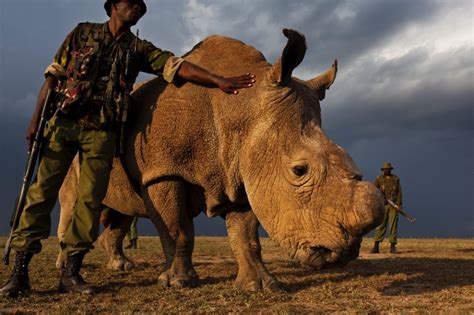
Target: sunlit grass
(428,275)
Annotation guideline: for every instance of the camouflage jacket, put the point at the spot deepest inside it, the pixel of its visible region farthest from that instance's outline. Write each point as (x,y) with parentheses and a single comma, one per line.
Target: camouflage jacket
(90,66)
(390,187)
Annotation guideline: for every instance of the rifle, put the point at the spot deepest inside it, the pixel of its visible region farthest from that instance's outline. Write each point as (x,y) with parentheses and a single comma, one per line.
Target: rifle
(30,167)
(403,213)
(130,76)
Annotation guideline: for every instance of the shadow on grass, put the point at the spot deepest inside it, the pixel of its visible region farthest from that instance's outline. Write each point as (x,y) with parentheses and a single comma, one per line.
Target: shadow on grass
(143,265)
(115,286)
(122,281)
(215,280)
(466,250)
(225,264)
(47,293)
(92,266)
(423,275)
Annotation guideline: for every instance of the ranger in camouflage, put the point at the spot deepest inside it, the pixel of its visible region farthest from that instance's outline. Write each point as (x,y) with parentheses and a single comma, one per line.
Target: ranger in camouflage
(389,185)
(91,73)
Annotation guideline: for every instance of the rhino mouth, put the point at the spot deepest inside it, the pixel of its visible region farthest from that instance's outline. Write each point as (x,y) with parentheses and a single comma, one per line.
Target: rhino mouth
(319,256)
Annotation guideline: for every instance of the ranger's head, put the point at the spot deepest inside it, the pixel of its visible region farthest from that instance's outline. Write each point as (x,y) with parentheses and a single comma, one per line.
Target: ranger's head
(387,168)
(127,11)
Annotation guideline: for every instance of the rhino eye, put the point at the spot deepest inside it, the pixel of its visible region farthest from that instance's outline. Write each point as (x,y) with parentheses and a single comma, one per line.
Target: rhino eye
(300,170)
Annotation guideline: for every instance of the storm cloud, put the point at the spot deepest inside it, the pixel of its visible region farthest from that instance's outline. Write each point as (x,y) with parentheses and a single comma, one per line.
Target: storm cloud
(404,91)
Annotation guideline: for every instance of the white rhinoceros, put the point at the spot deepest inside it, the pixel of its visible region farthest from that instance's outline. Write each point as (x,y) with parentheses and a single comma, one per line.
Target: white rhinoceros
(256,157)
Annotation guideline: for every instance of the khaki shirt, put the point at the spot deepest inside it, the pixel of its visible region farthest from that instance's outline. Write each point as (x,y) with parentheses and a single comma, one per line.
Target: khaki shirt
(390,187)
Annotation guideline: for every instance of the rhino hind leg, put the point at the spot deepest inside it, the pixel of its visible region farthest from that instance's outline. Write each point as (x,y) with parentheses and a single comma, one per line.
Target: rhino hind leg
(242,228)
(67,201)
(166,205)
(116,227)
(65,218)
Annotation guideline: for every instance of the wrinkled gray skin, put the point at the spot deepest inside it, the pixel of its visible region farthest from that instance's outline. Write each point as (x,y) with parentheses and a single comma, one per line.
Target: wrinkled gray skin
(256,157)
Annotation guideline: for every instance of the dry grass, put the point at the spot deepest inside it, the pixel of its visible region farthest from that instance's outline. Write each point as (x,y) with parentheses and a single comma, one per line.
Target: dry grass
(430,275)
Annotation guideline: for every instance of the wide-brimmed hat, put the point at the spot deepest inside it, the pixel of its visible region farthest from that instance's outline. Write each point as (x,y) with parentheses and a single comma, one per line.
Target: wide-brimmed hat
(387,166)
(108,5)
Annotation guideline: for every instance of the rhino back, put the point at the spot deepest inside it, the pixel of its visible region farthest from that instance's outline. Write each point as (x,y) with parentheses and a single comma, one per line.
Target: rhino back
(194,132)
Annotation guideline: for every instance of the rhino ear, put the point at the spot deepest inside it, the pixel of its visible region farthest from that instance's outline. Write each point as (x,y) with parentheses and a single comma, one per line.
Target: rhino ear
(323,81)
(292,55)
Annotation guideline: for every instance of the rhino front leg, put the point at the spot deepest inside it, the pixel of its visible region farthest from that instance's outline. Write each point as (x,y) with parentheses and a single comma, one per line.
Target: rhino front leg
(116,227)
(166,205)
(242,228)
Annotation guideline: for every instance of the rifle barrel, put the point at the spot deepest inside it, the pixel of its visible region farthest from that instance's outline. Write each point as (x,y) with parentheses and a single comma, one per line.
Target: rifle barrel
(402,212)
(29,171)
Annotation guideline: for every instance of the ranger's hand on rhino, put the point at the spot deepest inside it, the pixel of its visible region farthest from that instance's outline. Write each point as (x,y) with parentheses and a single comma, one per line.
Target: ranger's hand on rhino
(259,157)
(231,85)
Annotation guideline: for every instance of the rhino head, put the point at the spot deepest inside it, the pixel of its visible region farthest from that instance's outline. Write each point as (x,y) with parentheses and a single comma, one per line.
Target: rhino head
(305,190)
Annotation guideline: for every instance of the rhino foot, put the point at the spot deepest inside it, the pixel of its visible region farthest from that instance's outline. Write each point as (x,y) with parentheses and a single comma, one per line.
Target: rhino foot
(263,282)
(120,263)
(173,278)
(274,286)
(113,247)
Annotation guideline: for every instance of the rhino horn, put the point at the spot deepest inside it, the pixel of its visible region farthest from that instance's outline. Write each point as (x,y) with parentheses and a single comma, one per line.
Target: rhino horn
(292,55)
(323,81)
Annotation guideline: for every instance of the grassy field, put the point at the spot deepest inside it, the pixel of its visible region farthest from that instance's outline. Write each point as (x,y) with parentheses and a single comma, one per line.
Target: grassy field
(429,275)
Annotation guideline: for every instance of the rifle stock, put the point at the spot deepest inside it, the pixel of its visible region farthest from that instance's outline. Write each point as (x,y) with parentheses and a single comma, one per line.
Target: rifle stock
(29,171)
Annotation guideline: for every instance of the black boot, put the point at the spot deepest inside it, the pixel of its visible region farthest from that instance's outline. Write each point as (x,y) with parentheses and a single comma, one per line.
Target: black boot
(375,250)
(71,280)
(393,249)
(19,282)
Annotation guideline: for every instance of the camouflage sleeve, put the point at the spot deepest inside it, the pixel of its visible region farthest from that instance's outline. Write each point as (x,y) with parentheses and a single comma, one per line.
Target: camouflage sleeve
(377,183)
(399,195)
(159,62)
(63,55)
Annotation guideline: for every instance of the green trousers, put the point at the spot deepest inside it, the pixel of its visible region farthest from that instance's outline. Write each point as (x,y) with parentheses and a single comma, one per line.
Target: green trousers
(64,138)
(390,219)
(132,234)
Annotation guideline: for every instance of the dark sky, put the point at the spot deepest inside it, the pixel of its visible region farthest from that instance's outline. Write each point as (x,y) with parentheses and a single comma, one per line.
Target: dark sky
(404,92)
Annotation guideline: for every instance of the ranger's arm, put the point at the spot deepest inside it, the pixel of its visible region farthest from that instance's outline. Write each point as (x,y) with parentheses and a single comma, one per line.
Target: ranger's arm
(377,183)
(50,83)
(399,195)
(194,73)
(379,186)
(54,71)
(164,63)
